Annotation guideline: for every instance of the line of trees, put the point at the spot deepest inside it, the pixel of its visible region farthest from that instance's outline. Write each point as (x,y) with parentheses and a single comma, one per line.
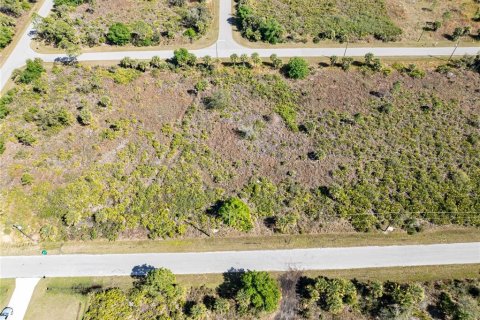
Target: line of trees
(159,296)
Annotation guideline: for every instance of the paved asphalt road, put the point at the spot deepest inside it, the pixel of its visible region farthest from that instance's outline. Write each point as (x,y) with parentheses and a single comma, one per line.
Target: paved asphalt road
(218,262)
(223,48)
(21,297)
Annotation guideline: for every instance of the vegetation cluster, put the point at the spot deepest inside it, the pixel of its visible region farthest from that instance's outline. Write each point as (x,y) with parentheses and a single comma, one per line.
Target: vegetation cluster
(74,24)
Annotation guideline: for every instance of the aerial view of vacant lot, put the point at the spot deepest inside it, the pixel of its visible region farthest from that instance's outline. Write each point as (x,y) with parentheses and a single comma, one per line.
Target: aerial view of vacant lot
(240,159)
(305,21)
(185,148)
(74,24)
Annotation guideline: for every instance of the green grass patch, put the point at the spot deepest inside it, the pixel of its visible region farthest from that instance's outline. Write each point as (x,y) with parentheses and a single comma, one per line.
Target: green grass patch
(6,290)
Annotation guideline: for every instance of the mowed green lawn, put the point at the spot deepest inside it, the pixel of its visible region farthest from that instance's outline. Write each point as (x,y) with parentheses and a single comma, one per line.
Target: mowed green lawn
(67,298)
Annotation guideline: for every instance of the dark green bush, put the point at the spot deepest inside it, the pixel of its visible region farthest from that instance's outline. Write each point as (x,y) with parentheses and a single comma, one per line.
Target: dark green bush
(183,58)
(258,293)
(32,72)
(119,34)
(236,214)
(297,68)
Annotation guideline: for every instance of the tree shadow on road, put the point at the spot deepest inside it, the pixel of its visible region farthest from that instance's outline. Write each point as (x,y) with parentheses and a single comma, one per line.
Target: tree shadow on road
(231,283)
(141,270)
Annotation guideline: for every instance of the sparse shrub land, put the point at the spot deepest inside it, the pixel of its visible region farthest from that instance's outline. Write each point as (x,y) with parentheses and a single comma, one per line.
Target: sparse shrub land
(82,23)
(258,295)
(275,21)
(191,147)
(11,12)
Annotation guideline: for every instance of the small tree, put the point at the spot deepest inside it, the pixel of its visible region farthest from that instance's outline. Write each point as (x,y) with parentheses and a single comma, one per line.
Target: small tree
(271,31)
(256,60)
(332,294)
(234,58)
(369,59)
(119,34)
(126,62)
(156,62)
(32,72)
(85,117)
(259,292)
(297,68)
(276,62)
(190,33)
(236,214)
(218,101)
(333,61)
(208,62)
(183,58)
(244,59)
(109,305)
(346,63)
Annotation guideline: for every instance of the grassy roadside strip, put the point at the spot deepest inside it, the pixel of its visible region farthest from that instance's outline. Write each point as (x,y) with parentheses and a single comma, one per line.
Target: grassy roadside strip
(237,37)
(6,290)
(68,298)
(24,23)
(439,235)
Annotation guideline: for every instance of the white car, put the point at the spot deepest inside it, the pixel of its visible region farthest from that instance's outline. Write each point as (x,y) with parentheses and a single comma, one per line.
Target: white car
(6,312)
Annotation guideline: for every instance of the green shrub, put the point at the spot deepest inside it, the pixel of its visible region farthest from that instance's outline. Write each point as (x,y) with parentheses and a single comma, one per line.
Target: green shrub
(219,100)
(58,3)
(26,179)
(25,138)
(201,86)
(141,34)
(2,145)
(258,293)
(332,294)
(109,305)
(6,36)
(297,68)
(85,117)
(32,72)
(5,100)
(124,76)
(53,118)
(105,102)
(182,58)
(236,214)
(119,34)
(288,113)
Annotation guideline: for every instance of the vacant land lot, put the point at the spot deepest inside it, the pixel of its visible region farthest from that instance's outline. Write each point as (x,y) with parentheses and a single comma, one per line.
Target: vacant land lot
(107,152)
(357,20)
(75,24)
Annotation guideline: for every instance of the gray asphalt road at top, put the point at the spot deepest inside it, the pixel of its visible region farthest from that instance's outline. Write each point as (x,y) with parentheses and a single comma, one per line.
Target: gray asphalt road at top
(222,48)
(219,262)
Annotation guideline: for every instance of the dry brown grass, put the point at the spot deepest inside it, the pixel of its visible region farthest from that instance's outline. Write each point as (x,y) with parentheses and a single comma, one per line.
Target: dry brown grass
(441,235)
